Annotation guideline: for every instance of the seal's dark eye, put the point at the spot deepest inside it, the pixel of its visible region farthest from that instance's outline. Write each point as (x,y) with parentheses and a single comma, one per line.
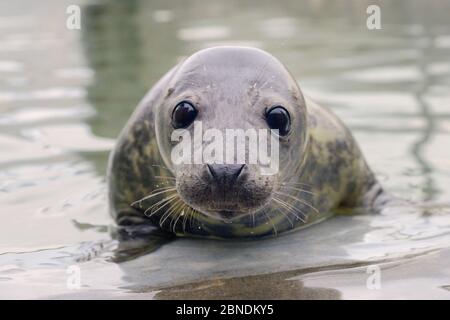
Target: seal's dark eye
(183,115)
(278,118)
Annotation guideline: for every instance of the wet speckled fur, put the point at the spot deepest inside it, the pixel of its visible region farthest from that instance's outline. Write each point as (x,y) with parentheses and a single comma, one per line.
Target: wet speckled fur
(321,156)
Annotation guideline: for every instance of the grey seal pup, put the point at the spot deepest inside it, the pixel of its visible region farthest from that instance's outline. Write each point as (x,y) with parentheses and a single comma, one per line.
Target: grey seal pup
(321,167)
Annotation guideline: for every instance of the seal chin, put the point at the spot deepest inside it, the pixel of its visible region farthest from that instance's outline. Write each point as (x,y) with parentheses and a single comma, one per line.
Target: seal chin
(228,212)
(225,215)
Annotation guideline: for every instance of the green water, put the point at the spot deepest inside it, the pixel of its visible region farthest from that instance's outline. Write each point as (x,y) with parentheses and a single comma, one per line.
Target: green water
(65,95)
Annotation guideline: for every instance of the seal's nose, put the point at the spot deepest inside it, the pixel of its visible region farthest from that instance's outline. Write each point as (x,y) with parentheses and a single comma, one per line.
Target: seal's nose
(225,173)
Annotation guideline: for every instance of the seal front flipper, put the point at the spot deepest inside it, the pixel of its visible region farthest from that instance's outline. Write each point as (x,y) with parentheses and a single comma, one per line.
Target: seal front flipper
(136,235)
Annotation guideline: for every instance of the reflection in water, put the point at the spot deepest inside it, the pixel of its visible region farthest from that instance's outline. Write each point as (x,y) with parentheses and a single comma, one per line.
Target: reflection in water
(129,52)
(113,49)
(260,287)
(313,283)
(134,242)
(429,188)
(58,117)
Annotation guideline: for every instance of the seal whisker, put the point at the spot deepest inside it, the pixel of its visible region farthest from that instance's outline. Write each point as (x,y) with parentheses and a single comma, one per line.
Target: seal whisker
(194,217)
(176,214)
(300,190)
(295,183)
(168,212)
(253,219)
(183,209)
(190,219)
(188,213)
(292,209)
(166,202)
(165,177)
(299,200)
(152,194)
(271,222)
(160,202)
(160,166)
(284,214)
(142,199)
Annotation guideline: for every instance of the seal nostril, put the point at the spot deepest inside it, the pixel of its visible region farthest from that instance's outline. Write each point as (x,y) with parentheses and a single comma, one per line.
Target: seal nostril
(224,173)
(239,169)
(211,171)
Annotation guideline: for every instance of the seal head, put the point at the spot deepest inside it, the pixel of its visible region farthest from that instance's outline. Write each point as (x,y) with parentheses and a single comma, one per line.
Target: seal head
(228,89)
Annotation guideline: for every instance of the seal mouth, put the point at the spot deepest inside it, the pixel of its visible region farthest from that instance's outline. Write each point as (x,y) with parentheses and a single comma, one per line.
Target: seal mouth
(227,215)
